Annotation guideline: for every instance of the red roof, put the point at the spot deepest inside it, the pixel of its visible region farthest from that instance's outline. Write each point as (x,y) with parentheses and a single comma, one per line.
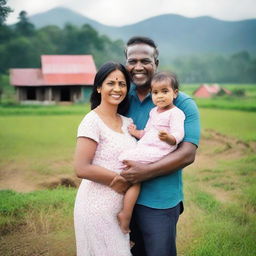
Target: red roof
(26,77)
(206,91)
(57,70)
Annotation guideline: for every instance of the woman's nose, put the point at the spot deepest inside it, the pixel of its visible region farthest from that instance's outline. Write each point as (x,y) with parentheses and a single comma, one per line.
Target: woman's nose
(116,87)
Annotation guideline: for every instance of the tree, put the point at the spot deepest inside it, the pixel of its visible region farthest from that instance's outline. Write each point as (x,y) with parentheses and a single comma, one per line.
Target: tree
(24,27)
(4,11)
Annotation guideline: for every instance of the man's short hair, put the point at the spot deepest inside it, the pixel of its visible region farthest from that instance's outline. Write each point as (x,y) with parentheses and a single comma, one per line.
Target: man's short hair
(141,40)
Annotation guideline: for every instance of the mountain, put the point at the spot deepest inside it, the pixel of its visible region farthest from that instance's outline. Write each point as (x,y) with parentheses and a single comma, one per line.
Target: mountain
(174,34)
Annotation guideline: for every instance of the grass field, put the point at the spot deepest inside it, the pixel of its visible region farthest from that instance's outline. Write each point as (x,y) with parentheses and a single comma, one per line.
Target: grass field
(36,151)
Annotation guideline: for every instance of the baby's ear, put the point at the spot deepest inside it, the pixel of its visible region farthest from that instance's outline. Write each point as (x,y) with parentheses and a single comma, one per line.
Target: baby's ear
(176,91)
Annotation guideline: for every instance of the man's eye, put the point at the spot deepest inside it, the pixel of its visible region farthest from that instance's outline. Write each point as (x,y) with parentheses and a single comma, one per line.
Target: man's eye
(131,62)
(146,62)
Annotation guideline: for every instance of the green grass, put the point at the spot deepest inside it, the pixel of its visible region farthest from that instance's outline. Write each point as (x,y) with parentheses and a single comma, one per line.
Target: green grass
(7,110)
(238,124)
(37,137)
(41,141)
(37,223)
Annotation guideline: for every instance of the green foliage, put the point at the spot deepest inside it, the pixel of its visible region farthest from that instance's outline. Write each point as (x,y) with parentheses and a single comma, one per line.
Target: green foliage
(4,11)
(237,68)
(23,44)
(24,27)
(239,92)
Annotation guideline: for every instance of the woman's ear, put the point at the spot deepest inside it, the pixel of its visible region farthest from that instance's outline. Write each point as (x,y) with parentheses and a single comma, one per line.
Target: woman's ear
(99,90)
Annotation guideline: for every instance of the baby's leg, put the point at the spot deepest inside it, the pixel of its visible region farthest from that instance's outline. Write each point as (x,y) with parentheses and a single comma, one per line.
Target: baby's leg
(124,216)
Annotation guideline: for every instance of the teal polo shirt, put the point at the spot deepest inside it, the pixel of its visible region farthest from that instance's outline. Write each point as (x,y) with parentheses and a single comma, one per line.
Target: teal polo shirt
(164,191)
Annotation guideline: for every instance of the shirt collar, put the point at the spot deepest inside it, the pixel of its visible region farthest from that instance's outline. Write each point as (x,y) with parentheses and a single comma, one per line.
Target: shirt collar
(133,92)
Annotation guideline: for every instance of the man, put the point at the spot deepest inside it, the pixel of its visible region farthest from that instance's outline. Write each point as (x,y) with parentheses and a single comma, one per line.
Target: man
(160,202)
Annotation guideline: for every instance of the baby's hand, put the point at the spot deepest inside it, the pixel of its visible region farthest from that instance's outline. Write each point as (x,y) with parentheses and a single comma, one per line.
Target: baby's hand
(132,129)
(164,136)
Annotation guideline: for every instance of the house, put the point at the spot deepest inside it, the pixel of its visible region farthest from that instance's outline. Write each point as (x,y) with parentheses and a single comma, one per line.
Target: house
(62,78)
(207,91)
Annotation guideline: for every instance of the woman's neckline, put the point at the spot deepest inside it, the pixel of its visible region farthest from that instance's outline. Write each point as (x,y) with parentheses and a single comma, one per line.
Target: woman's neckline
(122,124)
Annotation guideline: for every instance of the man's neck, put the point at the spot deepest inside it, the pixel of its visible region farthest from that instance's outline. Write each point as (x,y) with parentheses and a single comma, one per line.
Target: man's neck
(142,92)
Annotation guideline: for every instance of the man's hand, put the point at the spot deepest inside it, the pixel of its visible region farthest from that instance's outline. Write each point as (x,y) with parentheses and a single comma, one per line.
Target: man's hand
(135,172)
(120,184)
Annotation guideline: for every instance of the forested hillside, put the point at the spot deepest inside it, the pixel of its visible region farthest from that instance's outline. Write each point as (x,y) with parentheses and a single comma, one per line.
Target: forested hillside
(22,44)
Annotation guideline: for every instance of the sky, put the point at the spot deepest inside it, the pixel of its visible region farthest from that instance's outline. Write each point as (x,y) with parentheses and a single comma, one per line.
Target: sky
(124,12)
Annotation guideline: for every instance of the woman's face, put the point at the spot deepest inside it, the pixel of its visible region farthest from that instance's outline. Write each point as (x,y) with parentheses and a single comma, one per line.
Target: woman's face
(114,88)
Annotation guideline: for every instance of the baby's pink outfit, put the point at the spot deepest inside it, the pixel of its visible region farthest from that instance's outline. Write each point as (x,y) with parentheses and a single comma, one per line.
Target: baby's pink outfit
(150,148)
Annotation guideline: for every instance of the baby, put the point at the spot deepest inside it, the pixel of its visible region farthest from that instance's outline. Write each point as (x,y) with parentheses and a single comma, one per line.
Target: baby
(163,132)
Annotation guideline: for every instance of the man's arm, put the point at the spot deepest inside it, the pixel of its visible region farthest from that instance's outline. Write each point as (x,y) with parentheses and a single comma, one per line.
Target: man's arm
(180,158)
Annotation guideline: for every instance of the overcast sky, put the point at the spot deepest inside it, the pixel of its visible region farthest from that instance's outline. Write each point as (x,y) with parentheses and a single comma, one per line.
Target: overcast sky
(122,12)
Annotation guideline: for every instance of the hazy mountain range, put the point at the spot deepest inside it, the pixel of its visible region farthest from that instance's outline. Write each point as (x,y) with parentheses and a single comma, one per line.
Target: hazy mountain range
(174,34)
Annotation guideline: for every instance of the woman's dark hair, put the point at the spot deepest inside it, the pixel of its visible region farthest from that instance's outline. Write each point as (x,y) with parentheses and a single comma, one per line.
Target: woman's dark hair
(101,75)
(166,76)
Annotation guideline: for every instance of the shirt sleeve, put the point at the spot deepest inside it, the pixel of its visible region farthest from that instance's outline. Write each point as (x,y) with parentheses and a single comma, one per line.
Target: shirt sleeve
(176,123)
(89,127)
(192,121)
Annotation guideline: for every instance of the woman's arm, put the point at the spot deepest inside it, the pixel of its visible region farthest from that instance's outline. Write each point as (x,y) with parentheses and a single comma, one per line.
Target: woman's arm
(84,154)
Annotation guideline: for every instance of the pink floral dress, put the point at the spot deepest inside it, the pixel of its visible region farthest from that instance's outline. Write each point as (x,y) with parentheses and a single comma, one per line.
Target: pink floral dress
(96,206)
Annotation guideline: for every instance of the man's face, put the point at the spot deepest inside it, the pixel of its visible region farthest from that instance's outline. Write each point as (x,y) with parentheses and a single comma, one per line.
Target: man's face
(141,63)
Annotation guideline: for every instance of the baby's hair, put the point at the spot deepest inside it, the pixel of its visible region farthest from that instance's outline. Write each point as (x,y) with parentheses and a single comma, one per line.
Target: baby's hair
(166,76)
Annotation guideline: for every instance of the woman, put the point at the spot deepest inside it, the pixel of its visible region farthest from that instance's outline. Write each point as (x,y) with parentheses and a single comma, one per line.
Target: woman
(102,136)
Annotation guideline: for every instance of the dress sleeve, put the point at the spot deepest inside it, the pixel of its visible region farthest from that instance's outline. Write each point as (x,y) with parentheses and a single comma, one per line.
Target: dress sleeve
(149,122)
(176,123)
(89,127)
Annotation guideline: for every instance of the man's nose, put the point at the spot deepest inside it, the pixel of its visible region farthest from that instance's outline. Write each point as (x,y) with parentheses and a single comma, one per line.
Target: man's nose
(139,66)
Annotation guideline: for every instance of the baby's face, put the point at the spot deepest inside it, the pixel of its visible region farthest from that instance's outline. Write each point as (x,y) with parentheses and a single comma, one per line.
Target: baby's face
(163,94)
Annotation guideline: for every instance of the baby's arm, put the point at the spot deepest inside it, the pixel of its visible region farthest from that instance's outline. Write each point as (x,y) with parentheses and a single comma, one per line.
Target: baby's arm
(130,198)
(168,138)
(134,132)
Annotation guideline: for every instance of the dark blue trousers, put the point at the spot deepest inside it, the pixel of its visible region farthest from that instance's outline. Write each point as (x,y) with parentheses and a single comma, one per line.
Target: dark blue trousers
(154,230)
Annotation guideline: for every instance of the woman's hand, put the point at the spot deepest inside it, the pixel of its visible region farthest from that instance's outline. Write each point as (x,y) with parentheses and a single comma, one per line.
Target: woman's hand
(120,184)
